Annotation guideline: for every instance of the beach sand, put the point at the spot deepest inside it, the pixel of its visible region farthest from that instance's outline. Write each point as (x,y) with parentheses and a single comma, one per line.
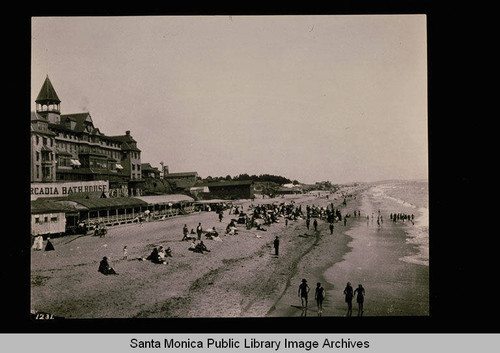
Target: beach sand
(240,277)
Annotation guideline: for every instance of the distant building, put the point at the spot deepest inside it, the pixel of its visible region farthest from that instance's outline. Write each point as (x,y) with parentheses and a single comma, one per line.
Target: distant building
(68,147)
(149,172)
(227,190)
(180,182)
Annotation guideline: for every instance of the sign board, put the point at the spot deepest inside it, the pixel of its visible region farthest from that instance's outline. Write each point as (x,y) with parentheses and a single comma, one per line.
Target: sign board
(66,189)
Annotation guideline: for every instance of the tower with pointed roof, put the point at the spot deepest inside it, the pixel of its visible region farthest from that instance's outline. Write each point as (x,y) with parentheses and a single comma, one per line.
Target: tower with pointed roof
(48,104)
(68,147)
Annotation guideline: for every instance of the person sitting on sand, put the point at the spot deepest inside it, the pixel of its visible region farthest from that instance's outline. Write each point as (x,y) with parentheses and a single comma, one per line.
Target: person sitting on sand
(105,267)
(168,252)
(261,228)
(161,255)
(202,247)
(194,247)
(155,256)
(212,234)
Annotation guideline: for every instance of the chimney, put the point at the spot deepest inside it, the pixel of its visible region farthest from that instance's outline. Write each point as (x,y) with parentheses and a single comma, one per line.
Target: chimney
(127,132)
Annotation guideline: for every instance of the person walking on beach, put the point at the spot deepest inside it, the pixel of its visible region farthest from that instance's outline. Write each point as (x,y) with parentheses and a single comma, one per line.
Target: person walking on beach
(315,224)
(308,221)
(349,294)
(185,232)
(360,291)
(345,221)
(331,228)
(319,295)
(276,246)
(125,253)
(199,230)
(304,292)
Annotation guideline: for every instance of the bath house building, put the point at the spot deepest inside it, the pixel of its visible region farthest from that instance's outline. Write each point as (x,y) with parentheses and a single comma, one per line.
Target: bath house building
(69,147)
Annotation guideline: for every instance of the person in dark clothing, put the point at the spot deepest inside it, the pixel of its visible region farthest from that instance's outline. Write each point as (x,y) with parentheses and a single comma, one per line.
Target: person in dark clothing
(319,295)
(154,257)
(49,245)
(202,247)
(315,224)
(185,232)
(360,298)
(199,231)
(303,293)
(276,246)
(331,228)
(349,294)
(105,268)
(308,221)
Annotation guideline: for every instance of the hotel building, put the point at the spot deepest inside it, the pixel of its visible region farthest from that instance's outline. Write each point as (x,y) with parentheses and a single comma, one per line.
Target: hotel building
(69,148)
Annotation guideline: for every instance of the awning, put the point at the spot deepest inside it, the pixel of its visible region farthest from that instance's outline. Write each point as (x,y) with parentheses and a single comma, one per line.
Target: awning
(118,166)
(169,199)
(75,162)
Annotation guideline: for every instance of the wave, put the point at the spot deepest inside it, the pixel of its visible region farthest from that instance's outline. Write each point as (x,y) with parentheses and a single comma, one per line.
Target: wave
(406,198)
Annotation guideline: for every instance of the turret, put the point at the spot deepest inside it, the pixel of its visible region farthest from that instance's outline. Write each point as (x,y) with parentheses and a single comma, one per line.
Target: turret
(48,103)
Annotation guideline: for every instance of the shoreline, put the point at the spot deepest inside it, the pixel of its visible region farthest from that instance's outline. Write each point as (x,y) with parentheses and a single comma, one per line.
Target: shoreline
(240,277)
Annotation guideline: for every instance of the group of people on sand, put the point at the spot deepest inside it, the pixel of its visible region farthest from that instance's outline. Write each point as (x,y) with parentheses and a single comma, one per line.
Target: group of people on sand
(159,255)
(38,244)
(319,296)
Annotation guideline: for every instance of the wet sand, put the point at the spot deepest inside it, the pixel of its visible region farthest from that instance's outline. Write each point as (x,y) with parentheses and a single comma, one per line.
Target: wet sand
(240,277)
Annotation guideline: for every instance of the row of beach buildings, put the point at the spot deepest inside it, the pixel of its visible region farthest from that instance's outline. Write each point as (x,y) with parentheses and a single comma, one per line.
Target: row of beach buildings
(81,176)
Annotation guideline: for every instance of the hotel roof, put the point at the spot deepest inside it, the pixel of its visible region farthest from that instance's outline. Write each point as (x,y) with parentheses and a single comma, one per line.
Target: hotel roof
(47,93)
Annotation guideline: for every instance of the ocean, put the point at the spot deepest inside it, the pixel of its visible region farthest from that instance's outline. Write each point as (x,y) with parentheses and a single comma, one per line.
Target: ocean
(390,260)
(409,197)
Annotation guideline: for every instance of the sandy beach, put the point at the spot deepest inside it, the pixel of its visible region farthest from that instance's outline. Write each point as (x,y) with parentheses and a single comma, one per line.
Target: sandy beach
(239,277)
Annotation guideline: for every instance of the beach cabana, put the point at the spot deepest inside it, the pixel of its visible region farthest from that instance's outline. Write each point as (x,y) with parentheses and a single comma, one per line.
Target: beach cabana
(110,211)
(48,217)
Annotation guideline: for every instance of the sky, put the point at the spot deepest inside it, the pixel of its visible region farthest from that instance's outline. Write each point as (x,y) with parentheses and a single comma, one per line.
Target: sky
(339,98)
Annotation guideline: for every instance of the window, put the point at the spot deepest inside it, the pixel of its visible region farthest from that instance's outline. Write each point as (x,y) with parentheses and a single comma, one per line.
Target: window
(37,156)
(37,219)
(44,141)
(37,140)
(53,219)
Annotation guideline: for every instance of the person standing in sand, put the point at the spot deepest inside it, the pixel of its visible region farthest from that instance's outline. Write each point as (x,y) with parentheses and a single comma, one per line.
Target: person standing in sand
(349,294)
(199,230)
(360,291)
(315,224)
(319,295)
(304,292)
(276,246)
(49,246)
(331,228)
(185,232)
